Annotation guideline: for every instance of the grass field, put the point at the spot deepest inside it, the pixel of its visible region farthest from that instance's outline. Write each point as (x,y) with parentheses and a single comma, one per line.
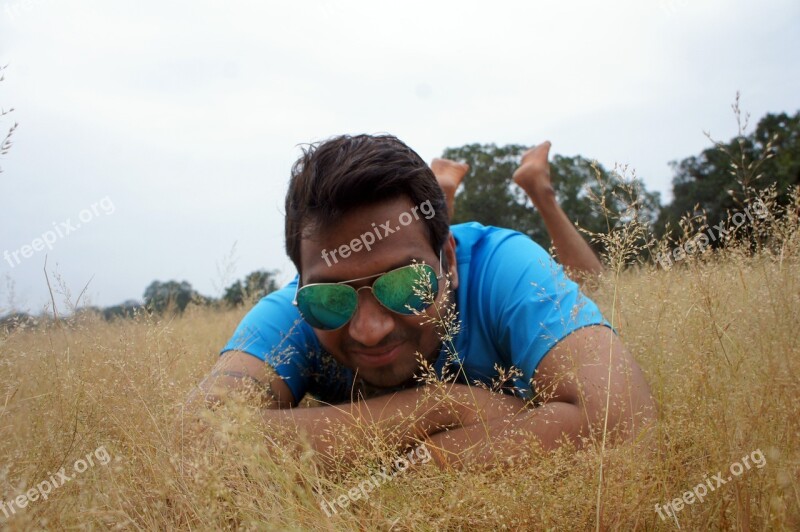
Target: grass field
(716,336)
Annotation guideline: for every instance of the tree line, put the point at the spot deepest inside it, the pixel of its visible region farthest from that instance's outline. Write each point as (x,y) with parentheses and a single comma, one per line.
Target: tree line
(174,296)
(166,297)
(712,183)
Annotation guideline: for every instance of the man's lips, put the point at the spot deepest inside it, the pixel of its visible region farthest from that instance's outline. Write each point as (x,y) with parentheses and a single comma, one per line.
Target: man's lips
(373,358)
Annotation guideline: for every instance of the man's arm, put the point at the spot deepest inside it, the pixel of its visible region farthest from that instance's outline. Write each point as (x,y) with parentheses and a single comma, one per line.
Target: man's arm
(239,372)
(398,419)
(469,424)
(593,387)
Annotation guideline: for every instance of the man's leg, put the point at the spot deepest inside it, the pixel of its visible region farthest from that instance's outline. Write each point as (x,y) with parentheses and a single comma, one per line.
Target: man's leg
(449,174)
(533,176)
(572,250)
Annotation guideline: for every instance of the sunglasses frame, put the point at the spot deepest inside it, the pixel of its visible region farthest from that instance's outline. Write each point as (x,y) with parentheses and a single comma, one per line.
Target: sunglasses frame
(376,276)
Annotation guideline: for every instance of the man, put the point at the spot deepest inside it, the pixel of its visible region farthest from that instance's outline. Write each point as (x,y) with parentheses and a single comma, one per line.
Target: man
(366,224)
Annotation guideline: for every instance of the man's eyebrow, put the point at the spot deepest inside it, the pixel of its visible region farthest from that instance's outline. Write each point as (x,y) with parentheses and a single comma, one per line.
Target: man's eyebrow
(313,279)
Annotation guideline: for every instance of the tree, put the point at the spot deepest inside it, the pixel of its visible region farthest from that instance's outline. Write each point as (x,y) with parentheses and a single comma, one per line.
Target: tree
(717,180)
(490,197)
(256,285)
(782,133)
(159,296)
(127,309)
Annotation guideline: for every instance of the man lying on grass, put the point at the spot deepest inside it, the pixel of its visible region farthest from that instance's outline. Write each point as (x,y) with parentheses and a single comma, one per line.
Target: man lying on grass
(366,227)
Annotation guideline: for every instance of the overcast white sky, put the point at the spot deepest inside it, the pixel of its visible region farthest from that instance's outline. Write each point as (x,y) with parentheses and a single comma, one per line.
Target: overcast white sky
(180,120)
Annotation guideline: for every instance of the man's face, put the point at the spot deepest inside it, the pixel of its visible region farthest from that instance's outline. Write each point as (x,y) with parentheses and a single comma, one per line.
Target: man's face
(378,344)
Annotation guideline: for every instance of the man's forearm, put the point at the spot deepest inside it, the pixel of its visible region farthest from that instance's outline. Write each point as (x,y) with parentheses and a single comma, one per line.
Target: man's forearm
(510,437)
(398,419)
(401,418)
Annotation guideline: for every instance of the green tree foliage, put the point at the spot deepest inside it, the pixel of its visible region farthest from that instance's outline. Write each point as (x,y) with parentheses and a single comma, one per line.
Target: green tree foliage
(582,186)
(172,295)
(256,285)
(709,183)
(127,309)
(159,296)
(489,195)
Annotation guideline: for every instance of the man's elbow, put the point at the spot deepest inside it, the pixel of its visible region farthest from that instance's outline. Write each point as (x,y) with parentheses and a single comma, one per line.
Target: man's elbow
(202,397)
(630,414)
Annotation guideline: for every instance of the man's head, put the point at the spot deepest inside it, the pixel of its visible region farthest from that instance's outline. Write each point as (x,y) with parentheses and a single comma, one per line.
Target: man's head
(346,192)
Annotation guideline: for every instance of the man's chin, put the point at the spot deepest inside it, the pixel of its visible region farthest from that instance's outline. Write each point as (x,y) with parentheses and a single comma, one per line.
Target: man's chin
(389,382)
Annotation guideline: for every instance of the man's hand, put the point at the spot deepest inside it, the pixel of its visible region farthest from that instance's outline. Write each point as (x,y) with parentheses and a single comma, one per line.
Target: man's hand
(401,418)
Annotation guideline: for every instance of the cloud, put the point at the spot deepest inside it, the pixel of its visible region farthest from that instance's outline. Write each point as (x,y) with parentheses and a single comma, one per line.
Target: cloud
(189,114)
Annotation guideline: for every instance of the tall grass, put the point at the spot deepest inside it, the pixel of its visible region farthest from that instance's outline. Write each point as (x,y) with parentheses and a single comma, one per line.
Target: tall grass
(716,335)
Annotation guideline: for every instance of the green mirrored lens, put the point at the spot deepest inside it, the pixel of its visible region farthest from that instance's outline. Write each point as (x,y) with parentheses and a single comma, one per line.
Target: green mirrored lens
(327,306)
(395,290)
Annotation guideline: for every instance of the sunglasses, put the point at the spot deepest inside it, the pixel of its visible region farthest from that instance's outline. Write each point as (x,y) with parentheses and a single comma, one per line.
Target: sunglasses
(329,306)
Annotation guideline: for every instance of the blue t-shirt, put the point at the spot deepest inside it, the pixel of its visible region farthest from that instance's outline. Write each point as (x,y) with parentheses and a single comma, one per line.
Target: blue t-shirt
(514,303)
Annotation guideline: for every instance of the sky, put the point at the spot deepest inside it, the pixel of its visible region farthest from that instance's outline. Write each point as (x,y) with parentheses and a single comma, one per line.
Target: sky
(155,139)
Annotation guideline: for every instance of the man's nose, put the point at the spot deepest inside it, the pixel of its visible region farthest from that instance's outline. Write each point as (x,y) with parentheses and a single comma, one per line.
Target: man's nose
(371,322)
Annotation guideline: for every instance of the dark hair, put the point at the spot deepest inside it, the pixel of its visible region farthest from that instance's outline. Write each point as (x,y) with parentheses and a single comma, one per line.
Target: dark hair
(347,172)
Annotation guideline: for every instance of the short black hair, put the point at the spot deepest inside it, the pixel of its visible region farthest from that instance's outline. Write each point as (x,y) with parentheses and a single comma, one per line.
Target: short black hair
(346,172)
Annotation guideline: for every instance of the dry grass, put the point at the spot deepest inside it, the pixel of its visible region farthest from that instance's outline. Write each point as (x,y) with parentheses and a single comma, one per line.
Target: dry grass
(716,336)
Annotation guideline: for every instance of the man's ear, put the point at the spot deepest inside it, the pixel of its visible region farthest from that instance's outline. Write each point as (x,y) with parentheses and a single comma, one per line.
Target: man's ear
(452,262)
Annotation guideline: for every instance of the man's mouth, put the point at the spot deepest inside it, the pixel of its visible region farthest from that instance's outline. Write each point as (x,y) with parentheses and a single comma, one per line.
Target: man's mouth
(375,358)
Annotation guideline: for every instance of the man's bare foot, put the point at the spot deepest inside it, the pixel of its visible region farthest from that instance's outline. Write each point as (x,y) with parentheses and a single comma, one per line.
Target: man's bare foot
(449,174)
(533,174)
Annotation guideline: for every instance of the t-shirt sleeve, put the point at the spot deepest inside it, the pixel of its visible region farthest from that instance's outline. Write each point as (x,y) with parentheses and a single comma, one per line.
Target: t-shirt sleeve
(274,332)
(533,304)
